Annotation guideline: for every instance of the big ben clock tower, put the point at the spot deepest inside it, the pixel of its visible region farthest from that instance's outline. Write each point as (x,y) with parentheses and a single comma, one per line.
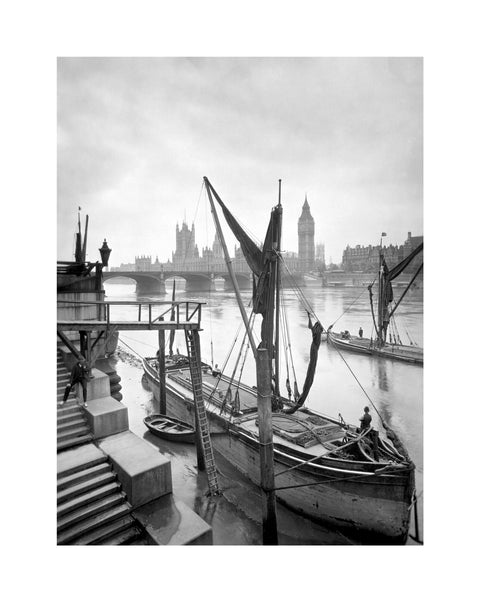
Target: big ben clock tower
(306,239)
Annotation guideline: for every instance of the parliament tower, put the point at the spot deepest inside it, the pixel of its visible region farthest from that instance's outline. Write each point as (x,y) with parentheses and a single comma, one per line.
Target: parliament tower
(306,238)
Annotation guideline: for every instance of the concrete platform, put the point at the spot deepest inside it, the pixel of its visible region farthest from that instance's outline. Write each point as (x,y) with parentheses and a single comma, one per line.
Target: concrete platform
(106,416)
(169,521)
(145,474)
(84,455)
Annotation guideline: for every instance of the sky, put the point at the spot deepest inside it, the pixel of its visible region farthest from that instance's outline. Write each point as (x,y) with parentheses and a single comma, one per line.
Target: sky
(136,136)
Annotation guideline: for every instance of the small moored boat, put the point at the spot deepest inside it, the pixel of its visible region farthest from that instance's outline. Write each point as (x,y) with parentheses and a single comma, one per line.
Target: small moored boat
(170,428)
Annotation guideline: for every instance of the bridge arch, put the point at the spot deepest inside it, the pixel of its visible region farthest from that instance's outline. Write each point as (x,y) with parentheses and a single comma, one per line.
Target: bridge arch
(244,281)
(145,283)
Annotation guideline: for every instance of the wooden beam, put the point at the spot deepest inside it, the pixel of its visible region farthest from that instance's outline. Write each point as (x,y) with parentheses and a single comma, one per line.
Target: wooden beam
(161,371)
(101,324)
(70,345)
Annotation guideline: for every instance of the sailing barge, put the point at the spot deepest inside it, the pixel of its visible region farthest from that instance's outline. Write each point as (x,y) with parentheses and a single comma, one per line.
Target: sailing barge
(324,469)
(379,346)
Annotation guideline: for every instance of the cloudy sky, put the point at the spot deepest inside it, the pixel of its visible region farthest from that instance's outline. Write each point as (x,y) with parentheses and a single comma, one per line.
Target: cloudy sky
(136,136)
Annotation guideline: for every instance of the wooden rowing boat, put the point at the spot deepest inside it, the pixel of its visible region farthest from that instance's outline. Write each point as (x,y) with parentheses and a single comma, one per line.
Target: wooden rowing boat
(170,428)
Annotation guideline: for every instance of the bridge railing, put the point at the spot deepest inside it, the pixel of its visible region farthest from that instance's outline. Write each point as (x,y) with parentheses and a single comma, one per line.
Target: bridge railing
(148,313)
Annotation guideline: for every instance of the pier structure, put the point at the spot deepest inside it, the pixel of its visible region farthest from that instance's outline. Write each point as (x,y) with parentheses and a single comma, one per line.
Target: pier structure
(112,486)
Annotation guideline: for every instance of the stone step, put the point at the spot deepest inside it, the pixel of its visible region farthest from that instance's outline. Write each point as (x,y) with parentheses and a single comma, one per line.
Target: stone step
(83,475)
(76,490)
(78,431)
(96,528)
(74,461)
(93,509)
(74,422)
(99,536)
(123,538)
(87,498)
(71,400)
(73,442)
(70,404)
(68,414)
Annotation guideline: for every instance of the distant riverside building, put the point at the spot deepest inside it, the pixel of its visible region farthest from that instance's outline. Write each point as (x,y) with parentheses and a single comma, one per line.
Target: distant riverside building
(412,243)
(143,263)
(320,256)
(366,259)
(306,239)
(186,250)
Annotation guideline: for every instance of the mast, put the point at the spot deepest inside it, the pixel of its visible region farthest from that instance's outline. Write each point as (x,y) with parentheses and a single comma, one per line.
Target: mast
(78,241)
(228,262)
(84,250)
(263,361)
(172,318)
(380,297)
(278,268)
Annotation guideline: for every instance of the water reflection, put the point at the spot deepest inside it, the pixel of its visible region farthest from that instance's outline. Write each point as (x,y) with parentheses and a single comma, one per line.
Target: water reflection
(382,373)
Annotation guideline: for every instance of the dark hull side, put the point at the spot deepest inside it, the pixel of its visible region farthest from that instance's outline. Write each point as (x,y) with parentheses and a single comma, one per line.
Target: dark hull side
(377,506)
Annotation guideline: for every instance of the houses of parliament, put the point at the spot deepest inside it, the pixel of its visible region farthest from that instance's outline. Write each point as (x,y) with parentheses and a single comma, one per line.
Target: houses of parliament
(187,256)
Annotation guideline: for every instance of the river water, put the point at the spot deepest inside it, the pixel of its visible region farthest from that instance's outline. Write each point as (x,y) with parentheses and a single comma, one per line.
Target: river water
(394,388)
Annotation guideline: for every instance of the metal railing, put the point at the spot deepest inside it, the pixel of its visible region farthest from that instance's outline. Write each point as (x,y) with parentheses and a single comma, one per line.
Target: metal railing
(174,312)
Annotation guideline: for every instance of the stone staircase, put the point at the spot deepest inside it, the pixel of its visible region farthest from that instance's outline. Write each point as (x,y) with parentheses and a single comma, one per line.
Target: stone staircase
(72,427)
(91,507)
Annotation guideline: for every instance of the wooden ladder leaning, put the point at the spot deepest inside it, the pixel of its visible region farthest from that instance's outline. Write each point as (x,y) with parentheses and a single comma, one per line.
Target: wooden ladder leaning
(193,348)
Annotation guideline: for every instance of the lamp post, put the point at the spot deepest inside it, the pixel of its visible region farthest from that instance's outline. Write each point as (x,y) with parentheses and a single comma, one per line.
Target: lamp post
(105,253)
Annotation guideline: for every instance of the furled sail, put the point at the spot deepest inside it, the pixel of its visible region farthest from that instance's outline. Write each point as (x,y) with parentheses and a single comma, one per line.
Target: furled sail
(317,330)
(259,260)
(262,261)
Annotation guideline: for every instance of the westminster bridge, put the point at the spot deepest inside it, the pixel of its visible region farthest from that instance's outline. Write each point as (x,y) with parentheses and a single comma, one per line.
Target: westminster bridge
(153,281)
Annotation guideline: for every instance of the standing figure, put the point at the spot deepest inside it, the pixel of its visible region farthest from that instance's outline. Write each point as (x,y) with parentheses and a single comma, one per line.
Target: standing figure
(79,374)
(365,420)
(360,332)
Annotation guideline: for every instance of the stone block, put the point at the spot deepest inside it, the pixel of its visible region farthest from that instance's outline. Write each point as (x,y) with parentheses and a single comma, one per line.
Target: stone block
(106,416)
(169,521)
(99,386)
(145,474)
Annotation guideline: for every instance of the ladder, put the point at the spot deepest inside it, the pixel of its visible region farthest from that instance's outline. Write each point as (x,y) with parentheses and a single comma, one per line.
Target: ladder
(193,347)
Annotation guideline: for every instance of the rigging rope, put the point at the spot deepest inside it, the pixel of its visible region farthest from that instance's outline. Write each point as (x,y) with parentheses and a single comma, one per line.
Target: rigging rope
(355,377)
(236,364)
(352,303)
(300,294)
(287,329)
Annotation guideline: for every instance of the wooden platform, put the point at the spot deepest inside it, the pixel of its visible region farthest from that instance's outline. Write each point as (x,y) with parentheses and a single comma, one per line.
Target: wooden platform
(90,325)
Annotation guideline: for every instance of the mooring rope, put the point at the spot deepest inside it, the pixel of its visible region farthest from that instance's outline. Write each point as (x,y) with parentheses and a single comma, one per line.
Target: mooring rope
(131,348)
